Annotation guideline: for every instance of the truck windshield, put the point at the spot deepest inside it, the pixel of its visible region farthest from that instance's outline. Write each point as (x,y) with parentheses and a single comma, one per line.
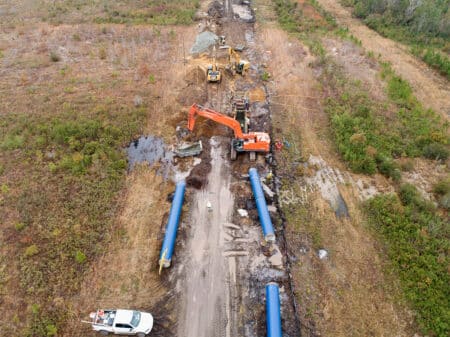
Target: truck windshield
(136,318)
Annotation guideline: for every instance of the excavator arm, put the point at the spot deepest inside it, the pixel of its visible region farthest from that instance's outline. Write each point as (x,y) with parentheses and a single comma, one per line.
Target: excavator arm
(216,117)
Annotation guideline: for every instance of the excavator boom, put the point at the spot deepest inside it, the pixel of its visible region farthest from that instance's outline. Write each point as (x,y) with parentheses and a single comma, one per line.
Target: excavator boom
(215,116)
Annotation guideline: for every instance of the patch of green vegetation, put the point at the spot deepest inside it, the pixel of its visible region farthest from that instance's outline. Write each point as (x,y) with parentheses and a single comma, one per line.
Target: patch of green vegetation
(158,12)
(291,18)
(417,243)
(74,165)
(265,76)
(12,142)
(80,257)
(442,193)
(425,26)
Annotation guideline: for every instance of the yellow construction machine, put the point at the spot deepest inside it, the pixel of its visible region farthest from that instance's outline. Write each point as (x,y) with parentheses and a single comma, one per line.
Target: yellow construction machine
(213,73)
(236,64)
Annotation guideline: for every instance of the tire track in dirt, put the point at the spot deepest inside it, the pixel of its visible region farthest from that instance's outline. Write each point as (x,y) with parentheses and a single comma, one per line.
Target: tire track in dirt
(430,88)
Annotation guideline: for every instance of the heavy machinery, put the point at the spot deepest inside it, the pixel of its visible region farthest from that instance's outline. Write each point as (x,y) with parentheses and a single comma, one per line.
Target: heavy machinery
(251,142)
(236,64)
(241,105)
(213,73)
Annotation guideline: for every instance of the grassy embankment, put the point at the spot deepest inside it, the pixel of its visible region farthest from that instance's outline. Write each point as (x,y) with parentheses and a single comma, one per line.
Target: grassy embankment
(371,135)
(62,164)
(424,26)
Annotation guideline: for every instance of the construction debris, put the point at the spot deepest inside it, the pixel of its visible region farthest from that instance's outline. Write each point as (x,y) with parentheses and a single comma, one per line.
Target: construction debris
(188,149)
(243,213)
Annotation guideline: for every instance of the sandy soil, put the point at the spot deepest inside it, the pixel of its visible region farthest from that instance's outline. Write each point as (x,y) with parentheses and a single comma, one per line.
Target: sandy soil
(430,88)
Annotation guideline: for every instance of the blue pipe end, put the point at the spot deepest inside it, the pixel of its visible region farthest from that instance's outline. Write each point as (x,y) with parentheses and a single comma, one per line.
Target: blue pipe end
(261,205)
(273,315)
(170,236)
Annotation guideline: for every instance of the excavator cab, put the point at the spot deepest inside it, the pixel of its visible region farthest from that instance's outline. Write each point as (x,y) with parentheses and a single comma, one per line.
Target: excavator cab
(242,67)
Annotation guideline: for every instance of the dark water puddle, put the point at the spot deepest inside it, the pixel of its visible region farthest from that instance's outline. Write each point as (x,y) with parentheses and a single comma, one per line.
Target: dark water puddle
(340,208)
(152,150)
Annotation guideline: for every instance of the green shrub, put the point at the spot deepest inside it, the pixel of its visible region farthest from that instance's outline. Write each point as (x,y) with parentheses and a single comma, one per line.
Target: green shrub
(19,226)
(444,201)
(436,151)
(416,243)
(31,251)
(408,194)
(80,257)
(12,142)
(265,76)
(388,168)
(54,57)
(442,187)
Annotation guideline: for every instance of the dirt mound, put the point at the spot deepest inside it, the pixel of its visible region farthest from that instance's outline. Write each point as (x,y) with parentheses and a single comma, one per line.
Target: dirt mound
(216,10)
(196,75)
(199,174)
(195,89)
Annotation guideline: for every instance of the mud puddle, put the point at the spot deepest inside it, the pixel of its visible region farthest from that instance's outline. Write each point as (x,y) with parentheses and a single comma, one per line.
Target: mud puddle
(154,152)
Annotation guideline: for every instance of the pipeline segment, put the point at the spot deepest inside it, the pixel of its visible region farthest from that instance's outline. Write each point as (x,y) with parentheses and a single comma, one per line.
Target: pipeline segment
(261,205)
(273,316)
(165,256)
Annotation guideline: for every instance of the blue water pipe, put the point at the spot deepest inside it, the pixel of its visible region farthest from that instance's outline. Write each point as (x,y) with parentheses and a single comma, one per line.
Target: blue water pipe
(165,256)
(273,316)
(261,205)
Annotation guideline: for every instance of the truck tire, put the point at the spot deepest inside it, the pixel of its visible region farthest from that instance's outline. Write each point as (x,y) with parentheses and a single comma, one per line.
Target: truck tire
(233,153)
(141,334)
(252,156)
(104,332)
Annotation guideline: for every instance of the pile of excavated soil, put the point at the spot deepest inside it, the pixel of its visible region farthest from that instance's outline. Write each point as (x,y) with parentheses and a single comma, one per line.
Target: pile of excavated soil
(199,174)
(195,90)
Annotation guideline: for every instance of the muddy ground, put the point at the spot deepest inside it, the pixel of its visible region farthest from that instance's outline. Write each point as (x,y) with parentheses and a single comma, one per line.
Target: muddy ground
(215,286)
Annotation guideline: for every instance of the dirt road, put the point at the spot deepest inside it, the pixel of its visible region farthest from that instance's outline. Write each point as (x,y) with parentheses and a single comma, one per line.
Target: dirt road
(430,88)
(204,313)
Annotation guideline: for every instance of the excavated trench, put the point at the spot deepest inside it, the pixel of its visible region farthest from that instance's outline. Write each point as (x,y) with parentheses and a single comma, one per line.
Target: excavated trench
(222,263)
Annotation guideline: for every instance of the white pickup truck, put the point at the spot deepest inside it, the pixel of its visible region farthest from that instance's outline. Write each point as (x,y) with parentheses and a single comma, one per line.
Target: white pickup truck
(122,322)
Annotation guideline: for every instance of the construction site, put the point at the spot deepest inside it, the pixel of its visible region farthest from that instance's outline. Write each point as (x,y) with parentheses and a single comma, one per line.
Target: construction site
(196,171)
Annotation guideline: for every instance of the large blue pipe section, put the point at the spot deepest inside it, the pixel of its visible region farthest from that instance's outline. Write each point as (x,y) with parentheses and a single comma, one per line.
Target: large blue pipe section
(172,226)
(261,205)
(273,316)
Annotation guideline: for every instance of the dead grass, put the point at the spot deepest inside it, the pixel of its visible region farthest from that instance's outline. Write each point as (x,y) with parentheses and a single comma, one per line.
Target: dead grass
(127,274)
(100,71)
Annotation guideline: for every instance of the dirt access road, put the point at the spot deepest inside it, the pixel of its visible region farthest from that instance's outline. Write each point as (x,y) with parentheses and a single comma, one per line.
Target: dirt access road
(205,292)
(430,88)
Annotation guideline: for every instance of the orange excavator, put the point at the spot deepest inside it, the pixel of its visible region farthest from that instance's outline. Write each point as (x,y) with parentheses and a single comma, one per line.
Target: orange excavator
(251,142)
